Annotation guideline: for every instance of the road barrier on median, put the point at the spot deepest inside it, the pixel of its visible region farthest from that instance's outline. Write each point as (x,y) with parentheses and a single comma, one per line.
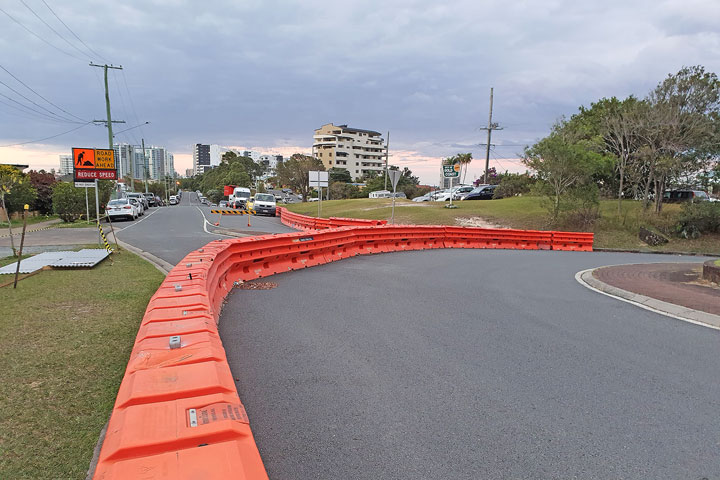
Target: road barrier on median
(234,212)
(177,414)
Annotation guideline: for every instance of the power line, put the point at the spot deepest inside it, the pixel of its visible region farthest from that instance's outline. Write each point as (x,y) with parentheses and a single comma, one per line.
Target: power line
(40,38)
(25,113)
(54,31)
(73,33)
(132,104)
(46,138)
(37,111)
(34,103)
(36,93)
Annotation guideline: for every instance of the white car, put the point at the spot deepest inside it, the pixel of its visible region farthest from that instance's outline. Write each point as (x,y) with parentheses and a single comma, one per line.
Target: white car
(173,200)
(139,206)
(423,198)
(263,203)
(121,208)
(444,195)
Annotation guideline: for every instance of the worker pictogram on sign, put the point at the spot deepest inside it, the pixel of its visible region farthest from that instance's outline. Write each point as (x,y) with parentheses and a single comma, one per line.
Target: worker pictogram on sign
(84,157)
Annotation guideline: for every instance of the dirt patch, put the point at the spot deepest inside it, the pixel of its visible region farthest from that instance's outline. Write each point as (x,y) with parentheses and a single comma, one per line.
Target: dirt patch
(476,222)
(257,286)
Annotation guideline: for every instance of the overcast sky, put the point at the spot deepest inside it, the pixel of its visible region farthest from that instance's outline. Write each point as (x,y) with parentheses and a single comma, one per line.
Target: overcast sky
(264,74)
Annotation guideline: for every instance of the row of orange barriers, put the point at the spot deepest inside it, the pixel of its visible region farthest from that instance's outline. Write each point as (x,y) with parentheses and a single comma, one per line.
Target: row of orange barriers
(467,237)
(177,413)
(303,222)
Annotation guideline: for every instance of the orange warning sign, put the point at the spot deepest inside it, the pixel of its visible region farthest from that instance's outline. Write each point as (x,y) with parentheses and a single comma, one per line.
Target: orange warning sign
(84,158)
(105,159)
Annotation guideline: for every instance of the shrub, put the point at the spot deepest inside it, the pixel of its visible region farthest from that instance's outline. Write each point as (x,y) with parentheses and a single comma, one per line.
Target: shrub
(514,184)
(697,218)
(68,201)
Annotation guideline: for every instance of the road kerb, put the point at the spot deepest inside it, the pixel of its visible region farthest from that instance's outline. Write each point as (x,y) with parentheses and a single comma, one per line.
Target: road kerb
(679,312)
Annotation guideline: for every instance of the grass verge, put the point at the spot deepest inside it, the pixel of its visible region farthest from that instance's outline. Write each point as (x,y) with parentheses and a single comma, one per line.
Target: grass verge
(65,339)
(15,223)
(612,230)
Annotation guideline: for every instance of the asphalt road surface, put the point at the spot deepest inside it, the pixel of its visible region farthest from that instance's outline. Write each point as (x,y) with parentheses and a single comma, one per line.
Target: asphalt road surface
(469,364)
(172,232)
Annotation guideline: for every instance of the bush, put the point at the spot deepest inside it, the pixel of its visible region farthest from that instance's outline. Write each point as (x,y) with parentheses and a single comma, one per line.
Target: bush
(697,218)
(68,201)
(514,184)
(215,196)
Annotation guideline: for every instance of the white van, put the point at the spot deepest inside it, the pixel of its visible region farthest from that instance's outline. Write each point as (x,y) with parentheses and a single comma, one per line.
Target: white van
(241,194)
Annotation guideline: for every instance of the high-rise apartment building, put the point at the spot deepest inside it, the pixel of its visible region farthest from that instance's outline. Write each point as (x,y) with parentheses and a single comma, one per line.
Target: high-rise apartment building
(124,156)
(206,157)
(354,149)
(66,164)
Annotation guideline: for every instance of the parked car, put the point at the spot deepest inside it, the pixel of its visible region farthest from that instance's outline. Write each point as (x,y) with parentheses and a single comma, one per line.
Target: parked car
(461,191)
(223,203)
(138,205)
(423,198)
(173,200)
(483,192)
(150,199)
(263,203)
(400,195)
(121,208)
(675,196)
(139,196)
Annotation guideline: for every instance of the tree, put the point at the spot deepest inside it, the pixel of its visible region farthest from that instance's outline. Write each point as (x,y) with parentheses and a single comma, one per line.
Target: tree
(42,182)
(407,183)
(294,173)
(562,165)
(10,177)
(339,175)
(683,127)
(68,201)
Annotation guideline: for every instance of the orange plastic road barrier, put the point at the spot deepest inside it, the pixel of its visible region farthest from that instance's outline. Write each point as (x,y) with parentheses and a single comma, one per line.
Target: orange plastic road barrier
(177,414)
(470,237)
(572,241)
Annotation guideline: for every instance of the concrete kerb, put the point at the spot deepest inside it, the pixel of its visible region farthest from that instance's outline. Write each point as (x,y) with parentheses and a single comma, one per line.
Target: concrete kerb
(157,262)
(679,312)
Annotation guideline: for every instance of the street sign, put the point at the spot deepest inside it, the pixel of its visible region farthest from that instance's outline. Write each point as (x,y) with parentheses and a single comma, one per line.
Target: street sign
(94,164)
(450,171)
(105,159)
(84,184)
(318,179)
(394,177)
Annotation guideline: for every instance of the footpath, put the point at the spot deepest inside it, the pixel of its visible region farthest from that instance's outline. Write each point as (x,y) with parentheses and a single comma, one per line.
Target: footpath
(17,230)
(676,289)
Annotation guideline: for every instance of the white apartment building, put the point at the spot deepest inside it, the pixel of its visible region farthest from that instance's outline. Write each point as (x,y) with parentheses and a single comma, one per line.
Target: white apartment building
(206,157)
(124,156)
(66,165)
(354,149)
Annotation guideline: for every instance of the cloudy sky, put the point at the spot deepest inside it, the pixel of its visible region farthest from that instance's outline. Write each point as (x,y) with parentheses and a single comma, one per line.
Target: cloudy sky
(263,74)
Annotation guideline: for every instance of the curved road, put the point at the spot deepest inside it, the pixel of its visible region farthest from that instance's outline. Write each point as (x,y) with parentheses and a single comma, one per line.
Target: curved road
(459,364)
(467,364)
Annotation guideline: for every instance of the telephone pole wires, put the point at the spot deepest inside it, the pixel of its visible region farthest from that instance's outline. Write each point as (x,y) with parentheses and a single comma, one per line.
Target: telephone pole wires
(491,126)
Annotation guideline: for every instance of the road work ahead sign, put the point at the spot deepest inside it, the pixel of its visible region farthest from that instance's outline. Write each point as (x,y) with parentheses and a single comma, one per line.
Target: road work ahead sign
(94,164)
(450,171)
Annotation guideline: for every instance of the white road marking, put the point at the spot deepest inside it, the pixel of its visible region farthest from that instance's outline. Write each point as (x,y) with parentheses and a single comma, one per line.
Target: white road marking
(206,223)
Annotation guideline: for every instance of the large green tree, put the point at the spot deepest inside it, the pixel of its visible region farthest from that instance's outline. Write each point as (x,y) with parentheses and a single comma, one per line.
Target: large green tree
(564,164)
(294,173)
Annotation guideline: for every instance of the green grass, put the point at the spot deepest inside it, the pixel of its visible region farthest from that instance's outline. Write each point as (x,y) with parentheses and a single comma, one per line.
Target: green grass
(65,339)
(717,262)
(30,221)
(527,212)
